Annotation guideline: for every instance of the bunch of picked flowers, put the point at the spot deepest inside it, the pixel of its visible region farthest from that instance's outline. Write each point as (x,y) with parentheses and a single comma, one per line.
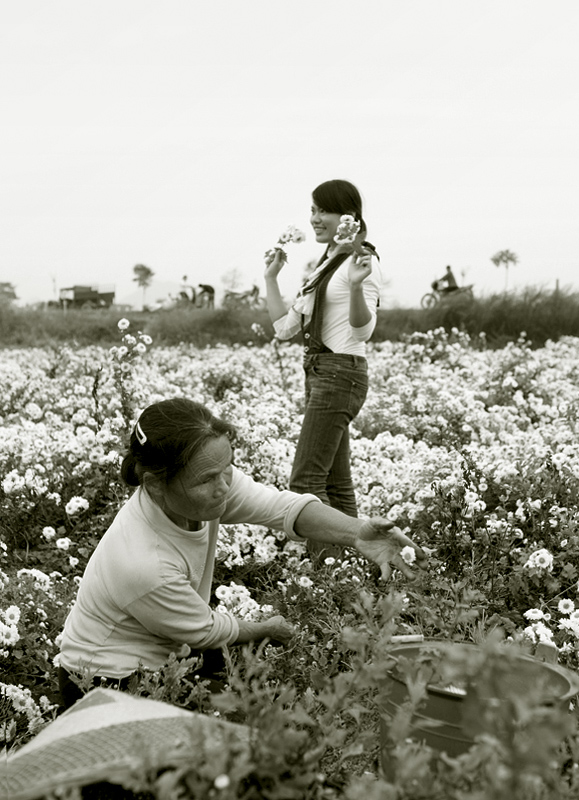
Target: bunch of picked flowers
(291,234)
(347,230)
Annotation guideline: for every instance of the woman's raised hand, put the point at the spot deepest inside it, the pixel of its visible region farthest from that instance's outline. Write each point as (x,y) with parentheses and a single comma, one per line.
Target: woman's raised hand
(274,261)
(360,267)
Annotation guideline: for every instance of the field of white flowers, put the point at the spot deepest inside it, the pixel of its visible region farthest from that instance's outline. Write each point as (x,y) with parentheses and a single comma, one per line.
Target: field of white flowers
(473,451)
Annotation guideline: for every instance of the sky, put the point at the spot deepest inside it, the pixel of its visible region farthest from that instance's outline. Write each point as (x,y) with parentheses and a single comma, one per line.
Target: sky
(188,135)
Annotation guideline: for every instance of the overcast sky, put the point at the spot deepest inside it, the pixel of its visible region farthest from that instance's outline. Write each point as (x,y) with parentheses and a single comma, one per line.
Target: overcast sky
(187,135)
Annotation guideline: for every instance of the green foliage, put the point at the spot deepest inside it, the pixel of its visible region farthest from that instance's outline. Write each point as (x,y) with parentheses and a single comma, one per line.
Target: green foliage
(502,531)
(309,745)
(542,315)
(502,318)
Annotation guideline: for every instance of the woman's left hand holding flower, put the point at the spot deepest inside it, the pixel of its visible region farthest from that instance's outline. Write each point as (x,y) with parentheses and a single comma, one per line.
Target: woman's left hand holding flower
(274,261)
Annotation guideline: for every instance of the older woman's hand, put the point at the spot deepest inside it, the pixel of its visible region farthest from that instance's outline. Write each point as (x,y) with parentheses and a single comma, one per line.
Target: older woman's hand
(279,630)
(382,542)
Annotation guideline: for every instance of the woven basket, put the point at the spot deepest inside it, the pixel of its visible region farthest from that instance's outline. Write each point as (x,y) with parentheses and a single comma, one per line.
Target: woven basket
(109,736)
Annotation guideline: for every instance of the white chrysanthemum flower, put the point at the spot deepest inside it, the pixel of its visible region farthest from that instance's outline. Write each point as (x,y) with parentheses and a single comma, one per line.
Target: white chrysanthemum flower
(33,410)
(75,505)
(544,634)
(533,614)
(123,324)
(12,615)
(305,582)
(566,606)
(13,482)
(41,579)
(540,559)
(408,554)
(570,625)
(63,543)
(298,236)
(347,230)
(11,635)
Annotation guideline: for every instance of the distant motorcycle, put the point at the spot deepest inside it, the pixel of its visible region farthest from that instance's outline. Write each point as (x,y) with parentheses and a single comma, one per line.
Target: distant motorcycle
(439,295)
(248,299)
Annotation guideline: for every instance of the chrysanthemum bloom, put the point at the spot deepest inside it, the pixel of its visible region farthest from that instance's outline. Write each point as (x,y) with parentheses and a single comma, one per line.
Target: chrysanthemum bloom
(566,606)
(123,324)
(347,229)
(12,615)
(533,614)
(63,543)
(540,559)
(408,554)
(76,504)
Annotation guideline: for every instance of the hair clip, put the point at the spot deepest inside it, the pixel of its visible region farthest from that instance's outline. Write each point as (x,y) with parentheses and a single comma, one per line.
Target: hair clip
(140,434)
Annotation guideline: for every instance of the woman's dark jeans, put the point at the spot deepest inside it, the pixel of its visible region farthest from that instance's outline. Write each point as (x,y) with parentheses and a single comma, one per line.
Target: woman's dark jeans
(336,388)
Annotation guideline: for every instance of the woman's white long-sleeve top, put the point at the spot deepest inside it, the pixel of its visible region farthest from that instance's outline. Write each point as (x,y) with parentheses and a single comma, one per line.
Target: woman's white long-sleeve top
(337,333)
(146,588)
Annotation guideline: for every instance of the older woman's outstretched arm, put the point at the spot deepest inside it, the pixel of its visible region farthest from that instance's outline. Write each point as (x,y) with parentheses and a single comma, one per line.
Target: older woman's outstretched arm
(377,539)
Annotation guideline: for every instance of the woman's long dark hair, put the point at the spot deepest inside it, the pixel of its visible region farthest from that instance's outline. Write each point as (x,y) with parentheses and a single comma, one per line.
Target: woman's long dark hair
(167,436)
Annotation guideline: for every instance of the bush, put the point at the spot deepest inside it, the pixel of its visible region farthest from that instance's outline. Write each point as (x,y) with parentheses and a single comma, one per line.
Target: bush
(541,315)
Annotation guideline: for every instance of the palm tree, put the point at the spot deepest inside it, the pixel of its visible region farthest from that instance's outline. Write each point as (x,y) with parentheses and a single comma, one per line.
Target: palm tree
(504,257)
(143,277)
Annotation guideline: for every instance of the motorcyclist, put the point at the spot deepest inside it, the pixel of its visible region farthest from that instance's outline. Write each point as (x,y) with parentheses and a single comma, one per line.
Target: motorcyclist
(448,279)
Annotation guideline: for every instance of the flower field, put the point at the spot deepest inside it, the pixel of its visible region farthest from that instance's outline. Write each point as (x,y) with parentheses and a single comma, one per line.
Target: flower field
(473,451)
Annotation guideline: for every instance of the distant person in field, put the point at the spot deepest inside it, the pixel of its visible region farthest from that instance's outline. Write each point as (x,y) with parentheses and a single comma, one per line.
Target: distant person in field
(146,589)
(449,281)
(206,295)
(336,311)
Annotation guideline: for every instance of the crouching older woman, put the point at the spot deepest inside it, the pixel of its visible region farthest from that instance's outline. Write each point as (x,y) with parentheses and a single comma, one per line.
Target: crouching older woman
(146,588)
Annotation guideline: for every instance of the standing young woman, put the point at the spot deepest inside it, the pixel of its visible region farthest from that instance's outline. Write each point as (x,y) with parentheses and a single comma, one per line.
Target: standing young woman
(336,310)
